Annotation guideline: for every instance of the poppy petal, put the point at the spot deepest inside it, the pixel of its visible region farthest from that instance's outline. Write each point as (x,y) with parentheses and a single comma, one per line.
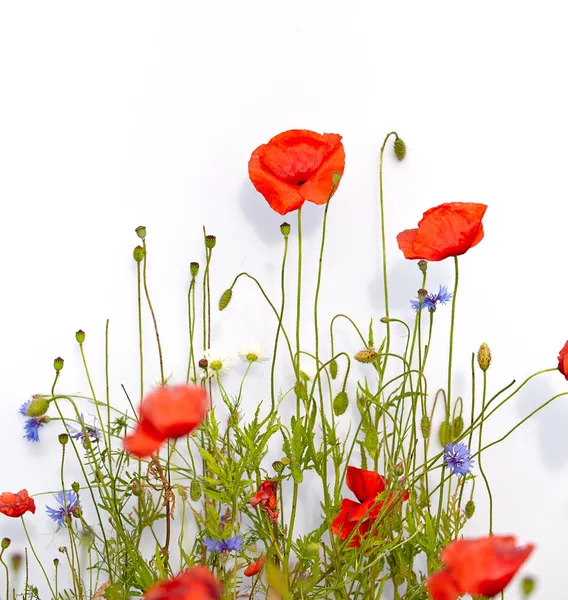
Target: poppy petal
(143,441)
(341,522)
(405,241)
(442,586)
(366,485)
(563,361)
(254,568)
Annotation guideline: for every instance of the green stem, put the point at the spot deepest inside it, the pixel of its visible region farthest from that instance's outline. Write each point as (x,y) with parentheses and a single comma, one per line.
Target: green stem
(7,574)
(140,350)
(451,351)
(479,458)
(35,555)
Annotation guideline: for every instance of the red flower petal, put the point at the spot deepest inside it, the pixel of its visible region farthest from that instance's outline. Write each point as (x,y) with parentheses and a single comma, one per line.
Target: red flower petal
(255,567)
(143,441)
(442,586)
(563,360)
(366,485)
(341,524)
(405,241)
(15,505)
(197,583)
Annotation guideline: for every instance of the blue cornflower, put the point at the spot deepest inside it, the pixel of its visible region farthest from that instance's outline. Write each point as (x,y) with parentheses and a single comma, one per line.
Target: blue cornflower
(77,433)
(233,544)
(66,507)
(32,424)
(431,300)
(457,458)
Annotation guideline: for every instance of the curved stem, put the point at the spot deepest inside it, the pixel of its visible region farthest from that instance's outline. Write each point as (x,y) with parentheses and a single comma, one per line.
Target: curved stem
(36,556)
(479,459)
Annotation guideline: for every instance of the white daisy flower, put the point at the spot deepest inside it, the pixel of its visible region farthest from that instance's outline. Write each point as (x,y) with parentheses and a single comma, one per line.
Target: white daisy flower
(253,353)
(217,363)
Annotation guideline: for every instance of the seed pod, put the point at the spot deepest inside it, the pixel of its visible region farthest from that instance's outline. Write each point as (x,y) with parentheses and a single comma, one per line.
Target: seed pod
(368,355)
(278,466)
(225,299)
(399,148)
(340,403)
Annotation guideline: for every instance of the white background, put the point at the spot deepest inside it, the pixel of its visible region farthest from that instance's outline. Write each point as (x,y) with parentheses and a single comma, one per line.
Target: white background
(115,114)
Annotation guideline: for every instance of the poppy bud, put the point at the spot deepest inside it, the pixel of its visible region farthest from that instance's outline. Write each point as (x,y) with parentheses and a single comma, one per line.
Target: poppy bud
(367,355)
(203,363)
(210,241)
(138,254)
(313,549)
(333,368)
(194,269)
(527,585)
(399,468)
(63,438)
(340,403)
(62,549)
(301,390)
(278,466)
(58,364)
(457,427)
(38,407)
(195,490)
(371,440)
(141,231)
(75,487)
(6,543)
(423,266)
(56,562)
(225,299)
(285,229)
(445,433)
(399,148)
(385,320)
(136,489)
(425,426)
(16,560)
(484,357)
(469,509)
(80,336)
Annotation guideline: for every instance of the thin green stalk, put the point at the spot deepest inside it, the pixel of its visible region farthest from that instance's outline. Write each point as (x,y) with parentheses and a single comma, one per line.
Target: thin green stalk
(479,458)
(191,324)
(35,554)
(140,350)
(7,574)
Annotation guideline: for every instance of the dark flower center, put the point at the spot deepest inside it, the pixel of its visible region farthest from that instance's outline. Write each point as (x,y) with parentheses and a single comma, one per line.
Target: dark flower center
(301,182)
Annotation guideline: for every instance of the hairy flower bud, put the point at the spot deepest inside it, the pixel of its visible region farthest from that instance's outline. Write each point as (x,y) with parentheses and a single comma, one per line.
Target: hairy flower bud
(210,241)
(80,336)
(457,427)
(423,266)
(16,561)
(75,487)
(37,407)
(6,543)
(138,254)
(285,229)
(195,490)
(371,441)
(301,390)
(340,403)
(141,231)
(225,299)
(136,488)
(333,368)
(484,357)
(313,549)
(445,433)
(425,426)
(399,148)
(194,269)
(368,355)
(278,466)
(527,585)
(58,364)
(469,509)
(63,438)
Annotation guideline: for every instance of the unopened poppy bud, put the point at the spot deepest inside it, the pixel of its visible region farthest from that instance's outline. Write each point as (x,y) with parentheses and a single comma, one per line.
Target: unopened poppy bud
(210,241)
(285,229)
(37,407)
(445,433)
(16,560)
(301,390)
(63,438)
(195,490)
(385,320)
(141,231)
(484,357)
(194,269)
(6,543)
(340,403)
(425,426)
(56,562)
(313,549)
(58,364)
(75,487)
(333,368)
(399,148)
(138,254)
(469,509)
(203,363)
(423,266)
(457,427)
(399,468)
(62,549)
(527,585)
(225,299)
(80,336)
(368,355)
(278,466)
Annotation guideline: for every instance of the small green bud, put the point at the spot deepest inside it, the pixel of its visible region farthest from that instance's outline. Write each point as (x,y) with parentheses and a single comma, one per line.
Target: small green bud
(423,266)
(58,364)
(194,269)
(138,254)
(336,178)
(368,355)
(141,231)
(399,148)
(63,438)
(76,511)
(313,549)
(301,390)
(278,466)
(333,368)
(210,241)
(385,320)
(340,403)
(469,508)
(484,357)
(75,487)
(425,426)
(371,441)
(136,488)
(527,585)
(6,543)
(285,229)
(457,427)
(225,299)
(445,433)
(56,562)
(80,336)
(37,407)
(398,578)
(195,490)
(16,560)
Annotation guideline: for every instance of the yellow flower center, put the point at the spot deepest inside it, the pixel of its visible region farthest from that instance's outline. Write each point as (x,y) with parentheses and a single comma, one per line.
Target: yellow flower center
(216,365)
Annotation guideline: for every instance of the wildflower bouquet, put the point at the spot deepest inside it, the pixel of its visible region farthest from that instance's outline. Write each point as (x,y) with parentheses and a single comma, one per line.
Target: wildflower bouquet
(184,494)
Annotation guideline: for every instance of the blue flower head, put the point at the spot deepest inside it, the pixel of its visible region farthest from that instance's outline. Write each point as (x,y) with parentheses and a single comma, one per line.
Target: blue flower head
(77,433)
(457,458)
(431,300)
(32,424)
(233,544)
(67,504)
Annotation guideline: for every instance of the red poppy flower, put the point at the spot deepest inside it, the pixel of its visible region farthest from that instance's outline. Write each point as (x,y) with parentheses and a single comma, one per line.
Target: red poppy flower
(167,412)
(366,485)
(197,583)
(15,505)
(479,567)
(255,567)
(445,230)
(296,166)
(266,497)
(563,360)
